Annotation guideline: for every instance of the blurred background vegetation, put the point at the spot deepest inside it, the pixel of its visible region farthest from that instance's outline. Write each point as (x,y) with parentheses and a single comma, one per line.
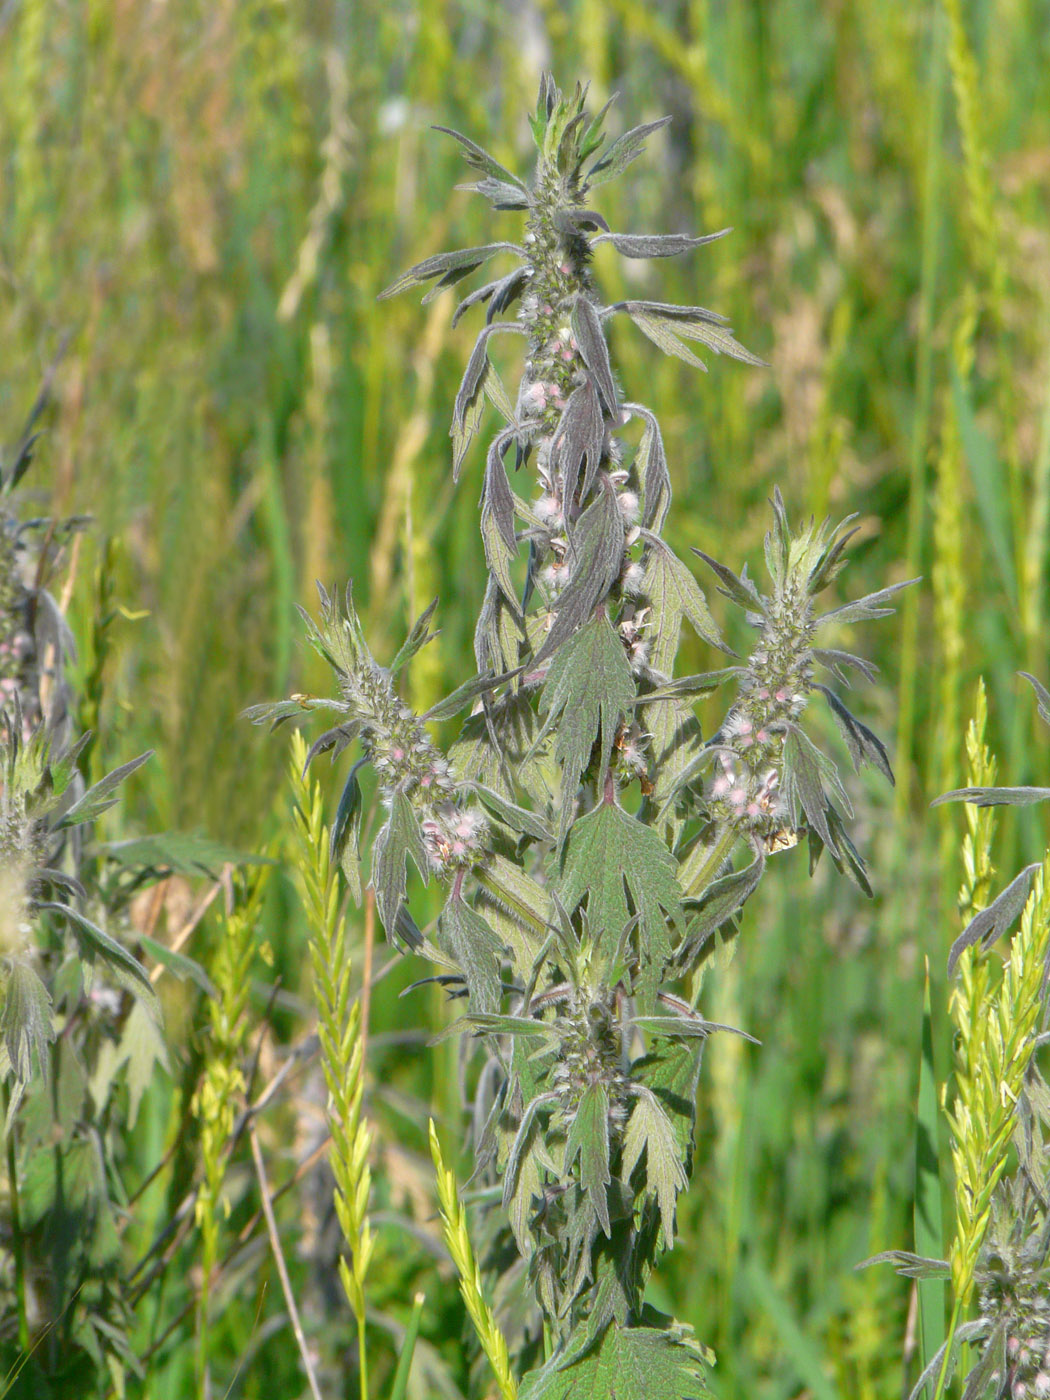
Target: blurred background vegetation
(205,199)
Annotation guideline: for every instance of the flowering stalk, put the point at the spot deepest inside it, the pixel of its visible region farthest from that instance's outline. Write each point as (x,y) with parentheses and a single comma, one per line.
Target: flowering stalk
(585,833)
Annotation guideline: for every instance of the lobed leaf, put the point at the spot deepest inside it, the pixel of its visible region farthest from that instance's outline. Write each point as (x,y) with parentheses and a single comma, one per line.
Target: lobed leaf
(461,261)
(587,328)
(622,152)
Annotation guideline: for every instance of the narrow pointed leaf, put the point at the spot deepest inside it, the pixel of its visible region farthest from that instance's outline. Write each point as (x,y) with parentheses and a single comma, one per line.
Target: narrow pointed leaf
(659,245)
(590,337)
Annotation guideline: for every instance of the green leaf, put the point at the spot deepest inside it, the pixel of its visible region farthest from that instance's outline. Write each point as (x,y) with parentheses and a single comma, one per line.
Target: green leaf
(96,942)
(400,838)
(588,690)
(480,159)
(517,818)
(607,850)
(629,1363)
(622,152)
(649,1130)
(180,853)
(139,1051)
(671,1070)
(675,594)
(26,1025)
(179,964)
(416,640)
(466,937)
(343,840)
(588,1139)
(102,796)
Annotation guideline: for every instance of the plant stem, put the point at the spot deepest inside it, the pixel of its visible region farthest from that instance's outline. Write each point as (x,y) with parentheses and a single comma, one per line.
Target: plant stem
(16,1234)
(942,1379)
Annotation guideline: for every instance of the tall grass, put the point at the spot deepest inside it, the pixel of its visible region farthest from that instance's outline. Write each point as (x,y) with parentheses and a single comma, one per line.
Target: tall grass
(206,198)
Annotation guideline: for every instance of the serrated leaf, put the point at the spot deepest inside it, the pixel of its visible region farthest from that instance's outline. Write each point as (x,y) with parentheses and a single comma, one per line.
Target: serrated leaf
(665,340)
(579,441)
(460,260)
(598,559)
(716,906)
(863,745)
(622,152)
(466,694)
(608,850)
(873,605)
(26,1024)
(517,818)
(805,771)
(590,337)
(836,660)
(674,594)
(497,498)
(656,245)
(910,1265)
(125,969)
(588,1139)
(589,688)
(480,159)
(399,839)
(649,1130)
(466,937)
(629,1363)
(741,590)
(515,889)
(419,636)
(102,796)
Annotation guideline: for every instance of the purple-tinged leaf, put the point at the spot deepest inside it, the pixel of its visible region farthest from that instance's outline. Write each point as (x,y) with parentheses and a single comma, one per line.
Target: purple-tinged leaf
(621,153)
(343,843)
(599,546)
(871,606)
(650,463)
(836,660)
(480,160)
(863,745)
(399,839)
(659,245)
(587,328)
(336,739)
(579,441)
(569,221)
(461,261)
(740,590)
(497,496)
(499,294)
(991,923)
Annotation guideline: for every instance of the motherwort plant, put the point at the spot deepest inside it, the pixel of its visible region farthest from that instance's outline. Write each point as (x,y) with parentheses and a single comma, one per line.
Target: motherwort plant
(591,839)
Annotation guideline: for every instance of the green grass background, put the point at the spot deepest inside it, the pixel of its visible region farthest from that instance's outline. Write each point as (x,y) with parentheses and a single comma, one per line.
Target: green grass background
(206,199)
